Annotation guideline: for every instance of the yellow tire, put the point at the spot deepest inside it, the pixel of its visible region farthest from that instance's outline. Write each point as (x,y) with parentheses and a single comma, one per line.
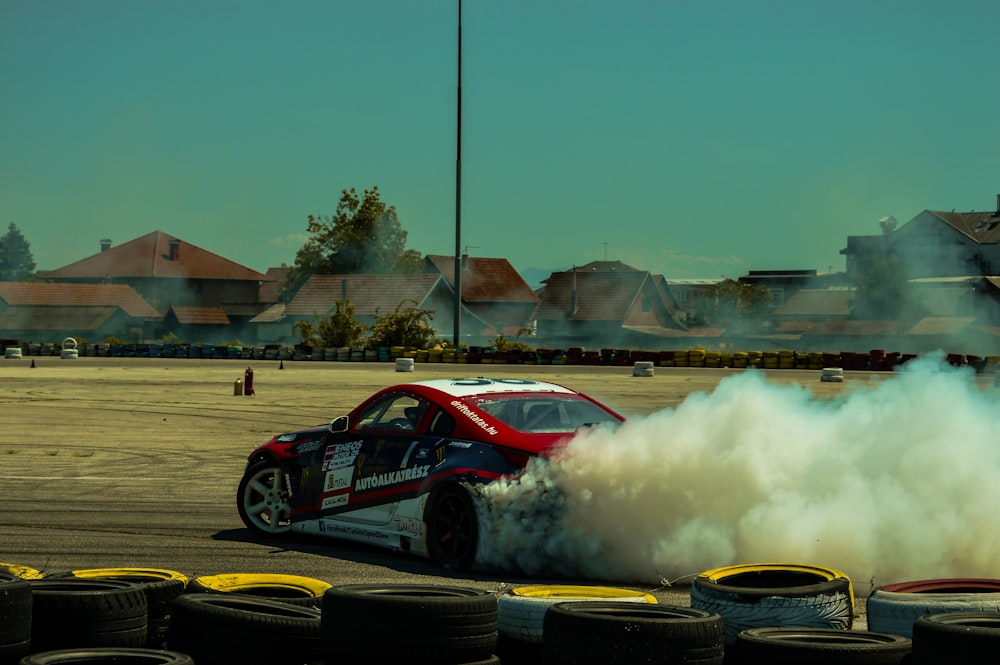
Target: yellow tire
(293,589)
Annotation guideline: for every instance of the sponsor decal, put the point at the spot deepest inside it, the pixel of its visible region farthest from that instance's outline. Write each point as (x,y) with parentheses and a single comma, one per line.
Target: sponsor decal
(408,525)
(459,444)
(338,479)
(341,455)
(286,437)
(350,531)
(334,501)
(308,447)
(391,478)
(474,416)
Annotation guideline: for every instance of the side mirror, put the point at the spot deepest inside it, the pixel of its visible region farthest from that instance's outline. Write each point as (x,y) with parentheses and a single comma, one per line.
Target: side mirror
(339,424)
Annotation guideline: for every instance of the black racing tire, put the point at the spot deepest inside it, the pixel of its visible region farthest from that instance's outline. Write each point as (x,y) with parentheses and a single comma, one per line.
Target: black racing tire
(612,632)
(15,617)
(452,526)
(430,624)
(775,594)
(521,614)
(160,586)
(292,589)
(972,638)
(80,613)
(108,657)
(893,608)
(262,500)
(818,646)
(232,628)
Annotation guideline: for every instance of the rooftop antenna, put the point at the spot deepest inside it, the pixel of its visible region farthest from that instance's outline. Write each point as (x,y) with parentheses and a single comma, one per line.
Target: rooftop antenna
(605,250)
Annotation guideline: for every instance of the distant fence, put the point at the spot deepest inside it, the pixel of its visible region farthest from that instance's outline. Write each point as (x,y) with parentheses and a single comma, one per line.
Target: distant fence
(873,360)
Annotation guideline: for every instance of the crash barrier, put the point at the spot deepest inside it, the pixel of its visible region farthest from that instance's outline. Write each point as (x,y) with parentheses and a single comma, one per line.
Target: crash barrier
(752,613)
(877,360)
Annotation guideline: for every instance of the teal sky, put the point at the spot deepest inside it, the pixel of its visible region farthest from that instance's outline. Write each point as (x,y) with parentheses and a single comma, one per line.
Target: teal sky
(690,139)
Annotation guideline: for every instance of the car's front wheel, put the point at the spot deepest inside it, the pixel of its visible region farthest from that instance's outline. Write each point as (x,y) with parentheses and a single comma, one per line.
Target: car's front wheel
(452,527)
(263,500)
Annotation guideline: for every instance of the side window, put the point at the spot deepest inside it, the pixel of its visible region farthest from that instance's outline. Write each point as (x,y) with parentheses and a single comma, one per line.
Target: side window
(395,412)
(443,424)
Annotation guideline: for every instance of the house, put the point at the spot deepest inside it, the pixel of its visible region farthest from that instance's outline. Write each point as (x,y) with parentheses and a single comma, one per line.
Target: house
(783,284)
(88,312)
(934,244)
(492,290)
(807,308)
(605,308)
(169,272)
(371,296)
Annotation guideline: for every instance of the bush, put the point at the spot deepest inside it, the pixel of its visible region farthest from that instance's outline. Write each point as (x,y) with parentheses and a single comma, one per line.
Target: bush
(338,329)
(409,327)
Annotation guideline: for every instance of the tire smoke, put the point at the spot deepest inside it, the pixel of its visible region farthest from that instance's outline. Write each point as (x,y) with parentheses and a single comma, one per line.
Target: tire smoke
(894,479)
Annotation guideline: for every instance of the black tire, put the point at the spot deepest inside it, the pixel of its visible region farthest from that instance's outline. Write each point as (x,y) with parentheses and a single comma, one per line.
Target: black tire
(79,613)
(893,608)
(818,646)
(232,628)
(292,589)
(262,500)
(430,624)
(775,594)
(160,587)
(967,637)
(611,632)
(452,527)
(15,617)
(108,657)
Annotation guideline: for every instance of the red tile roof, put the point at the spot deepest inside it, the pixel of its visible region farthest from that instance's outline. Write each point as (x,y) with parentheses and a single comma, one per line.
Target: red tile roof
(600,296)
(68,294)
(269,291)
(369,294)
(55,317)
(485,279)
(156,254)
(186,315)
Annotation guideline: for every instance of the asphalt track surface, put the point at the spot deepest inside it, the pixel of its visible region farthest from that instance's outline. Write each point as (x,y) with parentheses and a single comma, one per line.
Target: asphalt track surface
(134,462)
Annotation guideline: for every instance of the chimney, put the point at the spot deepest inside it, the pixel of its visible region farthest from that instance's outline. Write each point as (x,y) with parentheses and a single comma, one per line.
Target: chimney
(105,244)
(175,246)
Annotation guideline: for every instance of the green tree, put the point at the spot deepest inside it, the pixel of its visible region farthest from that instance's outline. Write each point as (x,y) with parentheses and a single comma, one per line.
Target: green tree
(408,326)
(736,305)
(16,262)
(338,329)
(362,236)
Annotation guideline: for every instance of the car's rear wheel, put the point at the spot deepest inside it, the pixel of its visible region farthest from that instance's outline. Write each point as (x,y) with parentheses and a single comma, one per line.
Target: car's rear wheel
(263,500)
(452,527)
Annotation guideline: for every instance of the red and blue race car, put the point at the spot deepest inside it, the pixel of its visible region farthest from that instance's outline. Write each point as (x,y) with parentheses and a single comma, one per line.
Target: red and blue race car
(401,469)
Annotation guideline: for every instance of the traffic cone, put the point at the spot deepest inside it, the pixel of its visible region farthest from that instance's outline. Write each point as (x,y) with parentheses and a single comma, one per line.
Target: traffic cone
(32,363)
(281,365)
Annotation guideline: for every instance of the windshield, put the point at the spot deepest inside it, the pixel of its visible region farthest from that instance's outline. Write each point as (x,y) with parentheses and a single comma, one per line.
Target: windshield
(548,413)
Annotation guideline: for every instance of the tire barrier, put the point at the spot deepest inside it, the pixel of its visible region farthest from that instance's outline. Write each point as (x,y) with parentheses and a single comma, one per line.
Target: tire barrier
(71,613)
(15,617)
(292,589)
(775,594)
(108,657)
(223,628)
(429,624)
(521,614)
(612,632)
(818,646)
(972,638)
(893,608)
(24,572)
(161,587)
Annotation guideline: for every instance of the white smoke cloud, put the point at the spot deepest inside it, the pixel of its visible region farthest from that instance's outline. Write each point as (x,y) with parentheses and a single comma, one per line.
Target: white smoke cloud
(891,481)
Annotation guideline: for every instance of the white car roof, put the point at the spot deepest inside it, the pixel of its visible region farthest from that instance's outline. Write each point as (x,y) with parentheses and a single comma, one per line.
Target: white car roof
(481,385)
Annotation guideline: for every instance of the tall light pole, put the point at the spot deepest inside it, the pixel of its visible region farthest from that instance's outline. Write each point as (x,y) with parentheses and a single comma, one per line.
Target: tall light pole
(458,191)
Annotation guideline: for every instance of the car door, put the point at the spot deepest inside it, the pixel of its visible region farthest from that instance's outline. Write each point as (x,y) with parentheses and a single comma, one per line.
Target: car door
(364,473)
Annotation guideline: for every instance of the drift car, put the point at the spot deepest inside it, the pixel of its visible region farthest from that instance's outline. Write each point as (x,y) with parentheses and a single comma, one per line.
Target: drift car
(400,470)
